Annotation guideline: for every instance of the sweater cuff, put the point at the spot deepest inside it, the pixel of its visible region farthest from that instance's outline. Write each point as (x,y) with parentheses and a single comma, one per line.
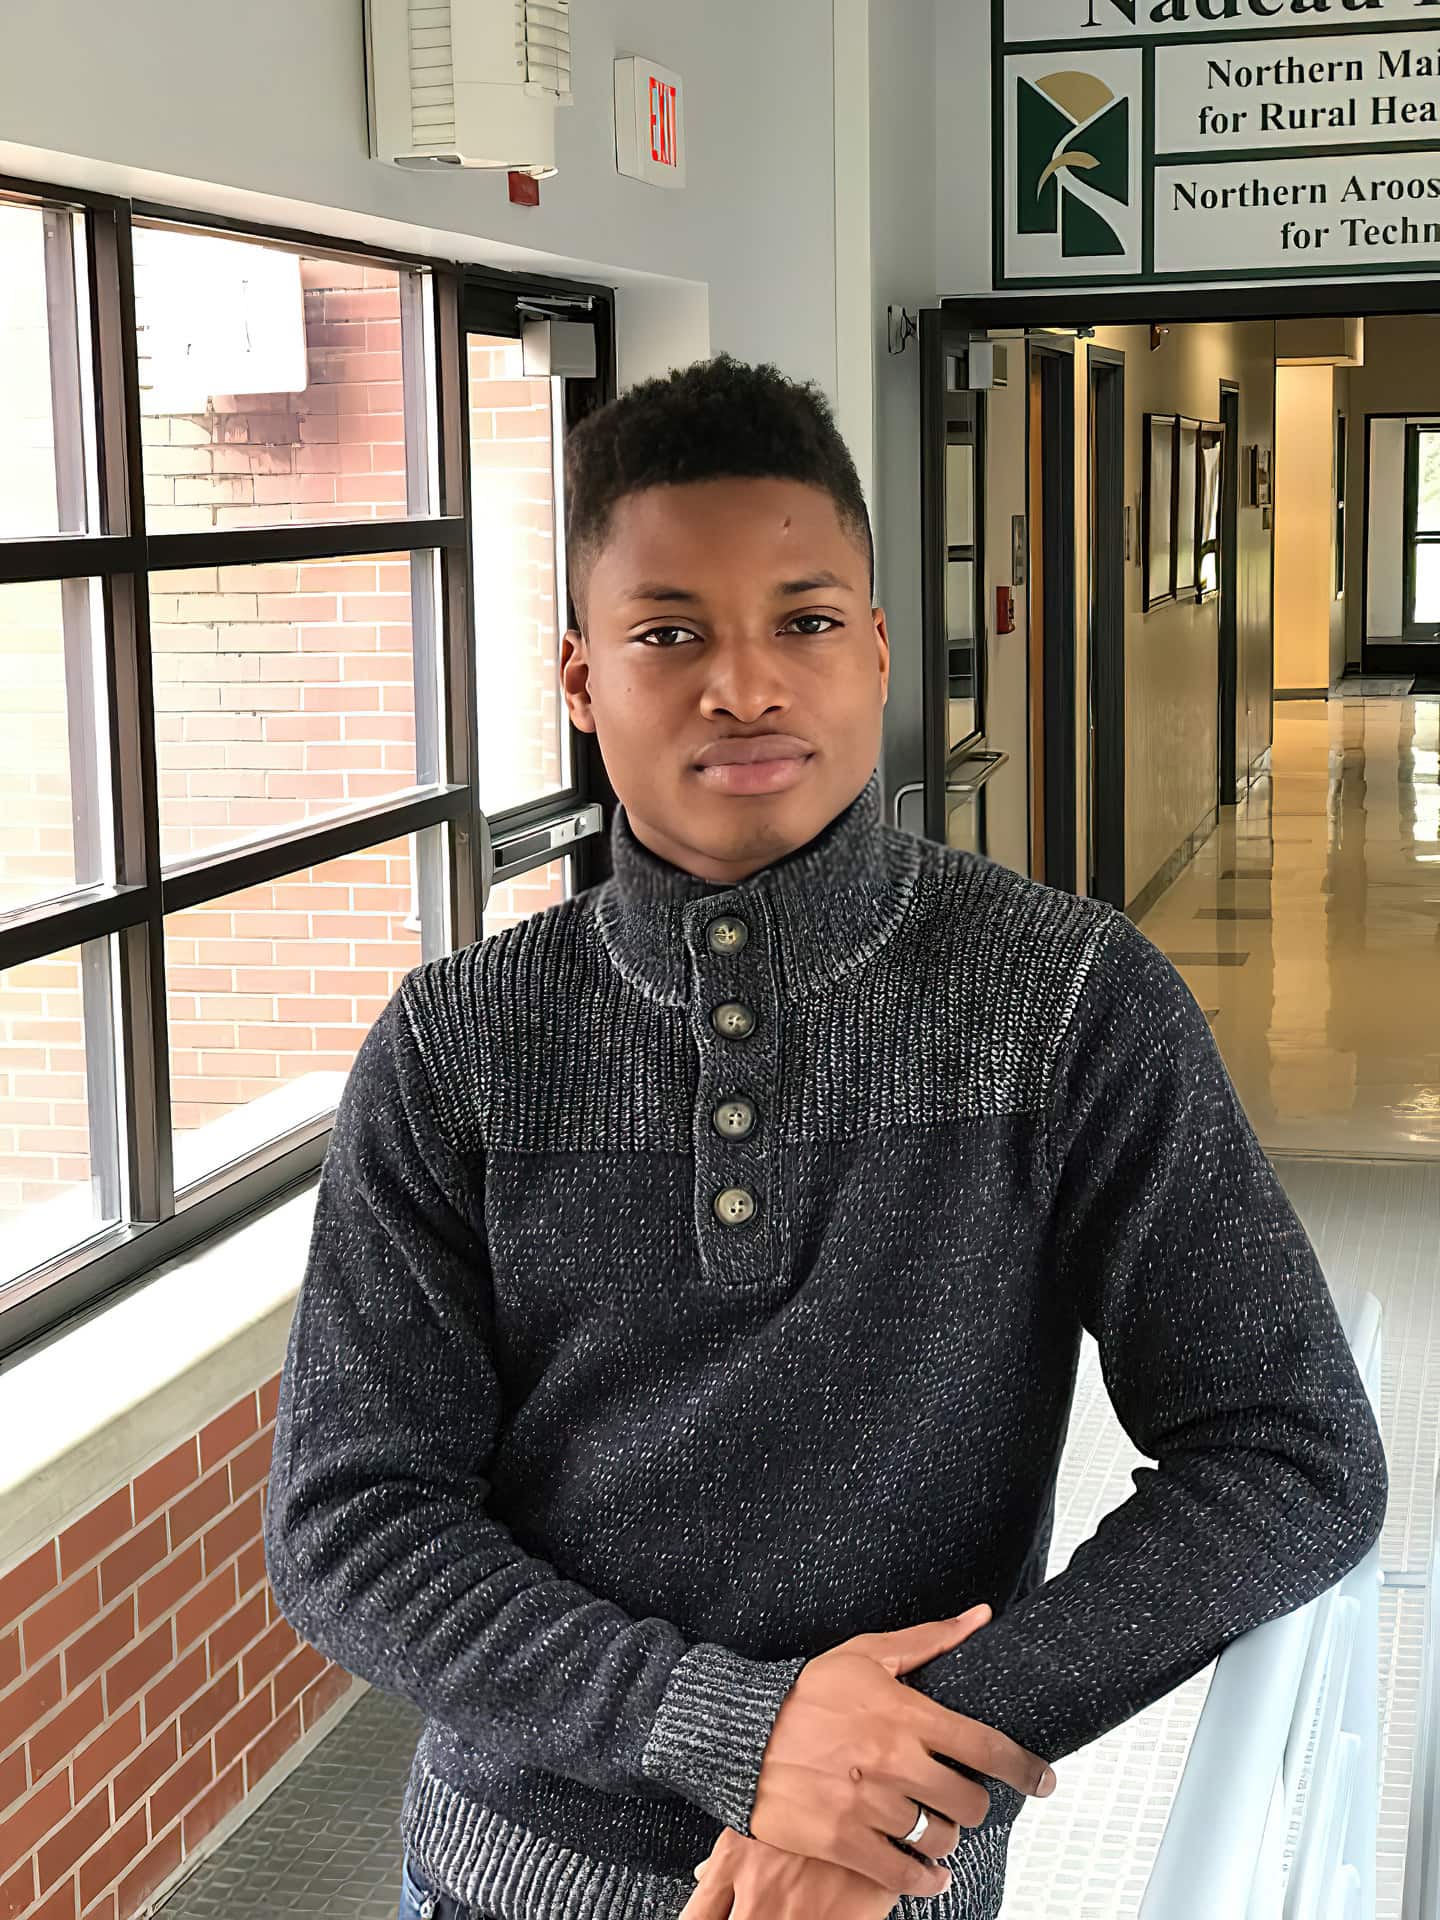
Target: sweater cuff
(710,1734)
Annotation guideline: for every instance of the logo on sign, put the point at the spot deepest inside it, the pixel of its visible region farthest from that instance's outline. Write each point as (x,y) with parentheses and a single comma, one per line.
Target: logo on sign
(1072,156)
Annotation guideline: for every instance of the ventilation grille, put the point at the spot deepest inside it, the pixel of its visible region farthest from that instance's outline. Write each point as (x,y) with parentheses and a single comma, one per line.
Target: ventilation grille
(545,47)
(432,74)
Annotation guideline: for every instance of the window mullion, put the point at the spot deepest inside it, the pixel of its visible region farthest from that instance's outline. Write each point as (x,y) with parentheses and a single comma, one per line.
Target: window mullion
(144,1045)
(467,840)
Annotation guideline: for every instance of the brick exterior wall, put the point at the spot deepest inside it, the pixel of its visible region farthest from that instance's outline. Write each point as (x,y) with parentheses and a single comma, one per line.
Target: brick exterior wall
(148,1682)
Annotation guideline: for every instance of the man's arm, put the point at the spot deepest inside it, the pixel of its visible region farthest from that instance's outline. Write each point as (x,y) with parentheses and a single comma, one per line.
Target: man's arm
(378,1543)
(1225,1361)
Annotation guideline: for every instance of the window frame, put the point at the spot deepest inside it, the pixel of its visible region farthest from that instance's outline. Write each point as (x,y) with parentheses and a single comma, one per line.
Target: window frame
(120,553)
(1414,538)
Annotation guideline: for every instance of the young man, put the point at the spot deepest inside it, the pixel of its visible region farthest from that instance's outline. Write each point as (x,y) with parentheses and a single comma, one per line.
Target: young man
(699,1269)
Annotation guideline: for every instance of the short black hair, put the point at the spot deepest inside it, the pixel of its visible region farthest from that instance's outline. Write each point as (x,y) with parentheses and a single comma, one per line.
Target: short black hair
(721,418)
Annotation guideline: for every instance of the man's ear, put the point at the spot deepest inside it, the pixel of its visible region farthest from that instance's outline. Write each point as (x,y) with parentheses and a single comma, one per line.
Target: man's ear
(882,640)
(575,679)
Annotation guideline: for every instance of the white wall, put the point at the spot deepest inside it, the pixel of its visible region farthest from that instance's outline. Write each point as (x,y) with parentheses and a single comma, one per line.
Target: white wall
(961,83)
(902,212)
(267,99)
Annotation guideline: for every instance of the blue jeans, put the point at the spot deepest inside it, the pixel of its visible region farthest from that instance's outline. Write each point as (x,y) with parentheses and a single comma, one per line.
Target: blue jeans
(420,1899)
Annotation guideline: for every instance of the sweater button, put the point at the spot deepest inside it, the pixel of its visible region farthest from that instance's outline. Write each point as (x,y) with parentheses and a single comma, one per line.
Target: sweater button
(727,935)
(733,1119)
(733,1020)
(735,1206)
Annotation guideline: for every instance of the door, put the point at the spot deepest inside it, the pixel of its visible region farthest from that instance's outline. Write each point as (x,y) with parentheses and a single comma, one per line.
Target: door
(1105,813)
(1051,507)
(543,793)
(1229,671)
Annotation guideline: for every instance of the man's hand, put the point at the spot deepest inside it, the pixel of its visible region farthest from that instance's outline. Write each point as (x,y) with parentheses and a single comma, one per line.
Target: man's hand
(852,1752)
(750,1881)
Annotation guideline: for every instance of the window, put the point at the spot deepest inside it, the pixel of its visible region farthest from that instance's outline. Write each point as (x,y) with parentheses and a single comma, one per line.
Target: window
(48,481)
(1209,491)
(1422,531)
(261,666)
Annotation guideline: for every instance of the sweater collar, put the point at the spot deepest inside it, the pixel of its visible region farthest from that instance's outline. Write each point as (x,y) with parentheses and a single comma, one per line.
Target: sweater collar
(821,911)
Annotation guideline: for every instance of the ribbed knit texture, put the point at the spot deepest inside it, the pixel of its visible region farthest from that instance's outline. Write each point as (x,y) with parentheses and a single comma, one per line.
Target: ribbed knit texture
(588,1474)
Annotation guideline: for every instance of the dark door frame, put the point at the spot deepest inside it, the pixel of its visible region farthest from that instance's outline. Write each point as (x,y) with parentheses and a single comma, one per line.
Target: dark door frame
(1106,650)
(1229,625)
(1056,362)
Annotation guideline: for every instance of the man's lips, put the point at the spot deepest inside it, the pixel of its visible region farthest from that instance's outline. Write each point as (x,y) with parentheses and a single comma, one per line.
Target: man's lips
(741,752)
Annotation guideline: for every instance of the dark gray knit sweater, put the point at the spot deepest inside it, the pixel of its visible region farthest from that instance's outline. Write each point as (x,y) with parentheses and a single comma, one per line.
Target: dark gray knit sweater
(588,1471)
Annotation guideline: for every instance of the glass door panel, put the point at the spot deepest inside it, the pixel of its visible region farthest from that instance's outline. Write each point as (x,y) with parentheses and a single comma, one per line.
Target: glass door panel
(519,617)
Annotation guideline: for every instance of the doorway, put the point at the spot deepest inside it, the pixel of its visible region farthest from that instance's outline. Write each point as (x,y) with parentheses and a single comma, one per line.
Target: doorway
(1105,811)
(1050,490)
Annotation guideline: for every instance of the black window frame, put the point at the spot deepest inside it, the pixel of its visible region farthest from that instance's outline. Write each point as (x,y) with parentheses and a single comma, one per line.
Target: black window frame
(1414,538)
(131,910)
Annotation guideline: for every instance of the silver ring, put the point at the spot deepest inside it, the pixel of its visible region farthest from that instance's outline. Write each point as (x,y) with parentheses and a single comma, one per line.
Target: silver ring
(918,1831)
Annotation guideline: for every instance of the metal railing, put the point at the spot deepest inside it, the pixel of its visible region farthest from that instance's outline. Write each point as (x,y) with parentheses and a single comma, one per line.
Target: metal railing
(1276,1812)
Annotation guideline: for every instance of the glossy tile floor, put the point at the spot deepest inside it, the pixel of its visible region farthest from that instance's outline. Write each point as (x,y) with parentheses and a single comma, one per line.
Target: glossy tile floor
(1309,929)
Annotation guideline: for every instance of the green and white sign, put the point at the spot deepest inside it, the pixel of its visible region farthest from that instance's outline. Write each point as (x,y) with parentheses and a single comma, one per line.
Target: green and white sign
(1169,140)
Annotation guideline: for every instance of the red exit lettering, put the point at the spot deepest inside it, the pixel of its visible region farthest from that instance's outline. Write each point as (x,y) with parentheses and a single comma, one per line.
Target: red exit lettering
(662,122)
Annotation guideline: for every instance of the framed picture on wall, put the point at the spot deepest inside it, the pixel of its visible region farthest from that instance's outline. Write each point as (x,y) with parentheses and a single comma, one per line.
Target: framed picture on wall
(1259,473)
(1158,542)
(1208,483)
(1187,474)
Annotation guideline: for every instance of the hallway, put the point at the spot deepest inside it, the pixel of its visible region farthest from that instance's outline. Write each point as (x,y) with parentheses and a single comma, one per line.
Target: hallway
(1308,927)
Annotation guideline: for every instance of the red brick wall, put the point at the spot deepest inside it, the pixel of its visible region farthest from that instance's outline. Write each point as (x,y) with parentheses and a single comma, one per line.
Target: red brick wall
(147,1680)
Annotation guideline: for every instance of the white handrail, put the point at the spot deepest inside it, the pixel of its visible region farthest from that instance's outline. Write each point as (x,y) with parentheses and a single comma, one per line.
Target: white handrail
(1276,1811)
(1421,1900)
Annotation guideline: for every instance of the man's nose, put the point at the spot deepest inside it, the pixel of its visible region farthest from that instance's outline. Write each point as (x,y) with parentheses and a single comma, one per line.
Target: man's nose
(745,681)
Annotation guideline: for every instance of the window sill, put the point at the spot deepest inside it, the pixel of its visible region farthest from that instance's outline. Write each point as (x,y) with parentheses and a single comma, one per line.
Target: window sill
(85,1412)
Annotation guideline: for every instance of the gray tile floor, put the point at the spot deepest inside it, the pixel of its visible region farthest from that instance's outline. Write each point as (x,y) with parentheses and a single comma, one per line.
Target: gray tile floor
(325,1843)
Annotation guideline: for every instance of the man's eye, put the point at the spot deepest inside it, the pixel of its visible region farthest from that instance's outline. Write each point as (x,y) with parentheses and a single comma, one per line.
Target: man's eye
(824,622)
(665,636)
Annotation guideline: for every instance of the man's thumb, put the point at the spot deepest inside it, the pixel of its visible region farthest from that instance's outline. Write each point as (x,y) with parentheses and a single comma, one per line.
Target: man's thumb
(912,1647)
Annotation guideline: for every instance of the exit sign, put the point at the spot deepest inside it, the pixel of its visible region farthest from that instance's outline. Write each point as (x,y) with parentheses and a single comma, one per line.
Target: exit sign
(649,122)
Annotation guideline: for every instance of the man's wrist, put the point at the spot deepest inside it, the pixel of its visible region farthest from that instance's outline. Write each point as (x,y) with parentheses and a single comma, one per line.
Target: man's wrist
(708,1739)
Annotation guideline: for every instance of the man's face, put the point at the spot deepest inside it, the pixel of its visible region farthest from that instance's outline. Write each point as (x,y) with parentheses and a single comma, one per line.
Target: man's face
(732,668)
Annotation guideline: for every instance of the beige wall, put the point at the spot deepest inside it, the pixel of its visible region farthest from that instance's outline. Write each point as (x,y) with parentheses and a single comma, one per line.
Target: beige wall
(1172,653)
(1304,526)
